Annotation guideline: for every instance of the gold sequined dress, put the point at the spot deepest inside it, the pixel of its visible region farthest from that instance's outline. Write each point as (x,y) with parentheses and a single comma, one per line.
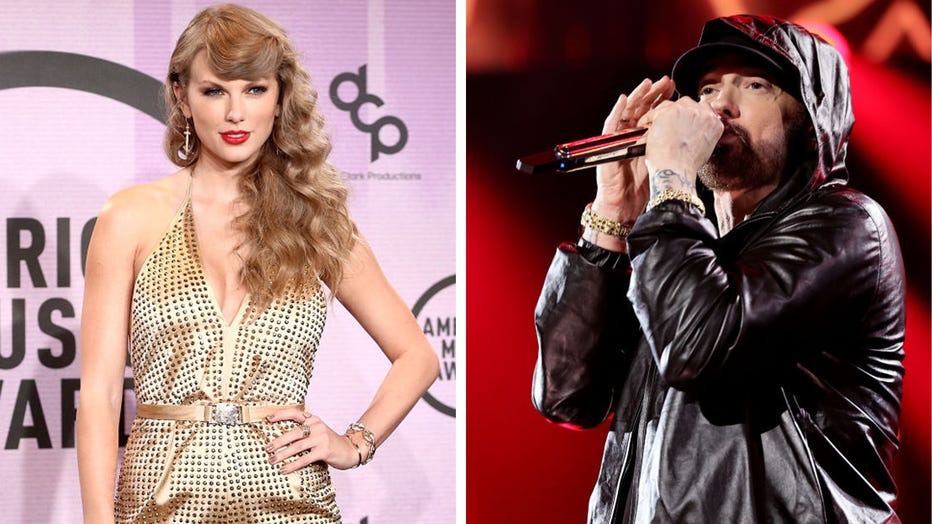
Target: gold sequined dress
(184,352)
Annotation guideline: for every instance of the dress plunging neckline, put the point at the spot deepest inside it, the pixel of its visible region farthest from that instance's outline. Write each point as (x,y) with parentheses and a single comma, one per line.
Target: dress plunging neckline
(202,269)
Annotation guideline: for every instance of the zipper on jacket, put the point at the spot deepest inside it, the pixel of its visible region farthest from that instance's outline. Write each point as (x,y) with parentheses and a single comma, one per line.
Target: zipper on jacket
(627,460)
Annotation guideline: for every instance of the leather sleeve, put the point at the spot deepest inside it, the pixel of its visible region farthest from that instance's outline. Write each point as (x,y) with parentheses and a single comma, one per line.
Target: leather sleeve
(583,322)
(808,281)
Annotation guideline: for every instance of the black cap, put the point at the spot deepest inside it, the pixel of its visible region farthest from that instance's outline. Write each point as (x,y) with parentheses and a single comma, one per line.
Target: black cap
(717,42)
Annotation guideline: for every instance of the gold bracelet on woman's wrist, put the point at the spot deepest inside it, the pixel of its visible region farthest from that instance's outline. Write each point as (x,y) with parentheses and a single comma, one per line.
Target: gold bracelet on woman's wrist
(595,221)
(676,194)
(358,451)
(367,436)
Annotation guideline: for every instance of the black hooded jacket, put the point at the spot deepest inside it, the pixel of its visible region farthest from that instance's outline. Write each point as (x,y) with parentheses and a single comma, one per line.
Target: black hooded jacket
(754,376)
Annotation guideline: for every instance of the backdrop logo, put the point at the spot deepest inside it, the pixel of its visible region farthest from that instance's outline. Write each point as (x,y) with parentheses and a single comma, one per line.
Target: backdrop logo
(26,241)
(363,97)
(84,73)
(436,313)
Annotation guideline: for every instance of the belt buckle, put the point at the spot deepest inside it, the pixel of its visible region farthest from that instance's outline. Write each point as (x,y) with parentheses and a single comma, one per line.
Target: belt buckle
(226,414)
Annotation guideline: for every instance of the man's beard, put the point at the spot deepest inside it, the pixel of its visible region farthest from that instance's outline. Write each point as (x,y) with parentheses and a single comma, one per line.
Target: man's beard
(739,165)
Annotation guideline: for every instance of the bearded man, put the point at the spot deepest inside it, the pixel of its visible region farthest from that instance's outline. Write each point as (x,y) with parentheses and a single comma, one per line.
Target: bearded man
(750,356)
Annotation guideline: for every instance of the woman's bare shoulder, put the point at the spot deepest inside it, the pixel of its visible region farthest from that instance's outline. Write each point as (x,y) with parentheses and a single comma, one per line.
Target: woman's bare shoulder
(145,202)
(139,212)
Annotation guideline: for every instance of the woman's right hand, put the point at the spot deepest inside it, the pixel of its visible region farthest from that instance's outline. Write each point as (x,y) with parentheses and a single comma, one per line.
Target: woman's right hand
(623,187)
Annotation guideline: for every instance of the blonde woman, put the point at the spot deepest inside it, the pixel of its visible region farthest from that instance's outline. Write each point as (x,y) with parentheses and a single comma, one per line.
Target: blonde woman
(216,274)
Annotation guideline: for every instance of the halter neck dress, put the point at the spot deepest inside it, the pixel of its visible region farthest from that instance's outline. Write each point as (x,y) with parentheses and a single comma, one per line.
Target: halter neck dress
(184,352)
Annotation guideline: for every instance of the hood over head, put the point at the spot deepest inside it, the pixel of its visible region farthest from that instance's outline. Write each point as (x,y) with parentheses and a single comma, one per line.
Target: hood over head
(807,67)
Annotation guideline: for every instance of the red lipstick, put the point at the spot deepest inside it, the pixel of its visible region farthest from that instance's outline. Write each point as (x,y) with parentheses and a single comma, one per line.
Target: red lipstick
(235,137)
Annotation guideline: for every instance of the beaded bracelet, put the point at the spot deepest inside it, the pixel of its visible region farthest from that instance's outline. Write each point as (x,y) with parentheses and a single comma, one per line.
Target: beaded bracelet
(593,220)
(357,427)
(676,194)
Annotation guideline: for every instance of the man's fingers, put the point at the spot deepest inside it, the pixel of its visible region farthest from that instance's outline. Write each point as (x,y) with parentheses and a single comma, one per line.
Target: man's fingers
(642,89)
(631,108)
(645,97)
(612,123)
(664,89)
(634,108)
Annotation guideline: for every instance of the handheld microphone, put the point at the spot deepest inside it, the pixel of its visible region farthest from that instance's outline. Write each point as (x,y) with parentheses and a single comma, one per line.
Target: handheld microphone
(585,153)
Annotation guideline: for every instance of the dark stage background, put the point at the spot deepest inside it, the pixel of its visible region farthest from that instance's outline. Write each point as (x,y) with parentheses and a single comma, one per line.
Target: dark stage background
(539,73)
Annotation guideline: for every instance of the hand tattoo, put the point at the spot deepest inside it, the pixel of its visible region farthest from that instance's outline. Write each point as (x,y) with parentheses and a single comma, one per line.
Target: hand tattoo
(668,179)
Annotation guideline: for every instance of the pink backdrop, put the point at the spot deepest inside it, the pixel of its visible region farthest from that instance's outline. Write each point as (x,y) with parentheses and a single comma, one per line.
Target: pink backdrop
(64,149)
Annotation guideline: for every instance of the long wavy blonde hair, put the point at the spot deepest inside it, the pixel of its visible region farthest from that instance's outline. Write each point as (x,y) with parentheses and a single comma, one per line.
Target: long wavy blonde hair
(297,226)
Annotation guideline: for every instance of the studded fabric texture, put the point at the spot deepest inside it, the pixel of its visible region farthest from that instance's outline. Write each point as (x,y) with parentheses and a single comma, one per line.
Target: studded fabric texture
(184,352)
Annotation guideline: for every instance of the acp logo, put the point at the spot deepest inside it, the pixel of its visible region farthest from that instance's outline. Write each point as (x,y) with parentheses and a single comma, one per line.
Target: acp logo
(435,311)
(363,97)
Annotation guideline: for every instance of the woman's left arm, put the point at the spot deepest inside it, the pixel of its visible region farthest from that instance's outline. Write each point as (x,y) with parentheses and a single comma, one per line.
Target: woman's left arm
(370,298)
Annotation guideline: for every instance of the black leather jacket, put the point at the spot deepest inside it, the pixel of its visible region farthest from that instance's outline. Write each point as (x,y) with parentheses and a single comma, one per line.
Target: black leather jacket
(752,377)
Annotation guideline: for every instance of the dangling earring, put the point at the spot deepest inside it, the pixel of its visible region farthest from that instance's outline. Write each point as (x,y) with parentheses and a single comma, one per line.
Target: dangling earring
(187,137)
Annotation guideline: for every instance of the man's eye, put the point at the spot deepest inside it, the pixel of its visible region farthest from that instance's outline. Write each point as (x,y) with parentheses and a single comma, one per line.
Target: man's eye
(707,90)
(757,85)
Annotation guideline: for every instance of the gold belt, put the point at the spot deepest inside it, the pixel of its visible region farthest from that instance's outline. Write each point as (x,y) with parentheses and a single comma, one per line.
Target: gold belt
(218,413)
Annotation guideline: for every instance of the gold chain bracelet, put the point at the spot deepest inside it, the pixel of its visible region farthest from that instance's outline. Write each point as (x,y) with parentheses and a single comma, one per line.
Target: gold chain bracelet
(595,221)
(676,194)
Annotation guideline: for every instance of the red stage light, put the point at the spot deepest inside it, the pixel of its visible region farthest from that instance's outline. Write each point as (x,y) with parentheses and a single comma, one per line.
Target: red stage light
(830,34)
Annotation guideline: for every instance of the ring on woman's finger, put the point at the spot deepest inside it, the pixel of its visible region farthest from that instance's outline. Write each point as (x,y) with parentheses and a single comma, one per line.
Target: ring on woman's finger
(305,430)
(307,415)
